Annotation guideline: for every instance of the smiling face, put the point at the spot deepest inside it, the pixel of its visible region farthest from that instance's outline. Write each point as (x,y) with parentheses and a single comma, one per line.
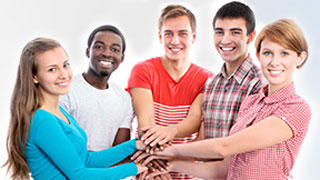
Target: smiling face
(176,36)
(105,53)
(278,63)
(231,39)
(54,74)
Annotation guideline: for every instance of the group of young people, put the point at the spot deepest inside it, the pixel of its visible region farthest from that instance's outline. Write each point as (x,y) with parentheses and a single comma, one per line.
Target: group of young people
(191,124)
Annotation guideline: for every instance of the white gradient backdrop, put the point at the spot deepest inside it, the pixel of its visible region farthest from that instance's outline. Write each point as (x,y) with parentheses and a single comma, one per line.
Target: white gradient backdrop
(70,22)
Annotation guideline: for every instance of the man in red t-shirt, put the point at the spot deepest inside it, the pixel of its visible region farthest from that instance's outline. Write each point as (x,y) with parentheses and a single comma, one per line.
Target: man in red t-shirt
(167,91)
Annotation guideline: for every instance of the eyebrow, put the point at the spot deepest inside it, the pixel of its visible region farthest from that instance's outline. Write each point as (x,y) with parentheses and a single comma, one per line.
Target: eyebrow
(55,65)
(232,29)
(113,44)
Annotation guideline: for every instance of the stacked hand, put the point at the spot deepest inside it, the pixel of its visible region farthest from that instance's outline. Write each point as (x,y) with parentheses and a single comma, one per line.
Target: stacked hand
(154,138)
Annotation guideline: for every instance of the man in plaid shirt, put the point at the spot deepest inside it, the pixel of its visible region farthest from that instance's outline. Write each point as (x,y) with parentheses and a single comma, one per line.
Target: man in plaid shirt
(234,25)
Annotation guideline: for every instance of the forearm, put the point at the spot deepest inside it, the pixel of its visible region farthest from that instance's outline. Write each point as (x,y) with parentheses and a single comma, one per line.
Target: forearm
(191,123)
(142,101)
(205,170)
(207,149)
(187,126)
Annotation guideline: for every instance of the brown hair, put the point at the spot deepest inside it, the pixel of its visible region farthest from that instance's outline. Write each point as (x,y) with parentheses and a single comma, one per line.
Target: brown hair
(286,33)
(173,11)
(25,100)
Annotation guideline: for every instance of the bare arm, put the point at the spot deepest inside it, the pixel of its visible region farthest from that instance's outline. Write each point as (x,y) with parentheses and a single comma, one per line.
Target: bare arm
(122,135)
(264,134)
(184,128)
(205,170)
(201,133)
(142,101)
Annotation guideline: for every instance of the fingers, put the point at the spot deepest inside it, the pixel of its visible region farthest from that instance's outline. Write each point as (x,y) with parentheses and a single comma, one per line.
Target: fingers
(136,154)
(139,156)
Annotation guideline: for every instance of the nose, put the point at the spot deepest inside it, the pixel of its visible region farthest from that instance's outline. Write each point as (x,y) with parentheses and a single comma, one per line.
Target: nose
(226,38)
(63,74)
(275,60)
(175,39)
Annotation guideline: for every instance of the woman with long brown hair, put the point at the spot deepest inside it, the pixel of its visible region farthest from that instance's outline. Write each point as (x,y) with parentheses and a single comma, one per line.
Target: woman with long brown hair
(43,138)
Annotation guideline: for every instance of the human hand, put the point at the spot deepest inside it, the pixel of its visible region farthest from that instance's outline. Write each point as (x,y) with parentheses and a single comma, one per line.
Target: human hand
(141,168)
(139,156)
(157,169)
(158,135)
(140,145)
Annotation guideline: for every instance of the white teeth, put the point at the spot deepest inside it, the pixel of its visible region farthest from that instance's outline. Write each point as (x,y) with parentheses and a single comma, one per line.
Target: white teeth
(105,63)
(63,84)
(175,49)
(275,72)
(227,49)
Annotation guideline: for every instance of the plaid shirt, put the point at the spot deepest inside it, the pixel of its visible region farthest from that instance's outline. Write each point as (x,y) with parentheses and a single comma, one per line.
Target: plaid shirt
(274,162)
(223,96)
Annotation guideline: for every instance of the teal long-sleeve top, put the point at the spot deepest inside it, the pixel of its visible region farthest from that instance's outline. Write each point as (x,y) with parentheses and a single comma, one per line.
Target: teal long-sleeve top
(58,150)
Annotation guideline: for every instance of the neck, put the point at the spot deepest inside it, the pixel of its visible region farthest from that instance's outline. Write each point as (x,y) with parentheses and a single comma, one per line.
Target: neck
(50,103)
(99,82)
(175,68)
(231,67)
(272,89)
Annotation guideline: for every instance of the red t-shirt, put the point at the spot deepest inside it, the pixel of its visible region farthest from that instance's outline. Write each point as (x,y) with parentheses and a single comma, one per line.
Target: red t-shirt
(172,100)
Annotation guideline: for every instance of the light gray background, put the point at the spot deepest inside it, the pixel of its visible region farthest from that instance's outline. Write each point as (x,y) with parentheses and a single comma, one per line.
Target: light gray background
(70,22)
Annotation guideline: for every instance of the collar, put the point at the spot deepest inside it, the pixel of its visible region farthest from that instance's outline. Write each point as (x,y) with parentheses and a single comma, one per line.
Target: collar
(279,95)
(240,72)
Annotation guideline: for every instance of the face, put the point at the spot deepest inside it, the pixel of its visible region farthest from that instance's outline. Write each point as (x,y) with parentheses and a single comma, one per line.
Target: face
(278,63)
(54,74)
(231,39)
(105,53)
(176,36)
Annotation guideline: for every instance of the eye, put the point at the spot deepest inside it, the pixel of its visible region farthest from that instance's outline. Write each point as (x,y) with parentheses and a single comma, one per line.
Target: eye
(218,32)
(99,47)
(116,50)
(267,53)
(52,69)
(183,34)
(284,53)
(66,65)
(167,34)
(236,32)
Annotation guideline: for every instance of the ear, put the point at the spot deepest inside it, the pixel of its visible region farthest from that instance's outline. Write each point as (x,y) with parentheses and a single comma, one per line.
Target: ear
(194,35)
(160,37)
(122,57)
(88,52)
(302,58)
(258,55)
(35,79)
(251,37)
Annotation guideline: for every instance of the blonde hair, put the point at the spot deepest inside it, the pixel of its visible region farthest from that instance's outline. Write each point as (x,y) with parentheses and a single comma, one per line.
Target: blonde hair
(286,33)
(173,11)
(25,100)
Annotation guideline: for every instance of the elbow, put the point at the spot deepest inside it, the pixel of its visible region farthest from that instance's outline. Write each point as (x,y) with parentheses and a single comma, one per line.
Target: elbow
(222,150)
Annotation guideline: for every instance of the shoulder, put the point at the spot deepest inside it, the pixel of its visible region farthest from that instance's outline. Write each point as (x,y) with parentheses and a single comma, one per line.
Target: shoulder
(152,62)
(42,119)
(119,90)
(200,71)
(296,105)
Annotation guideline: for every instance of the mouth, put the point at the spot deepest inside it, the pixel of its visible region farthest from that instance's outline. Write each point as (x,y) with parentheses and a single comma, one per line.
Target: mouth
(63,84)
(275,72)
(176,50)
(105,64)
(227,49)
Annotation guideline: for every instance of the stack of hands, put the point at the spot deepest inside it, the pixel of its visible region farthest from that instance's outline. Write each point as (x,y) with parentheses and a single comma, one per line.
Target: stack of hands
(152,157)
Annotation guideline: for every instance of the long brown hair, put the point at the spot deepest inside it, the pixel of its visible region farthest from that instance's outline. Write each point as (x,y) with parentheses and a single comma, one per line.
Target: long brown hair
(25,100)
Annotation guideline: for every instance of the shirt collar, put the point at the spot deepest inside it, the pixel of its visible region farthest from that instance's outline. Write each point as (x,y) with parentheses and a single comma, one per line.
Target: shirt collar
(279,95)
(240,72)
